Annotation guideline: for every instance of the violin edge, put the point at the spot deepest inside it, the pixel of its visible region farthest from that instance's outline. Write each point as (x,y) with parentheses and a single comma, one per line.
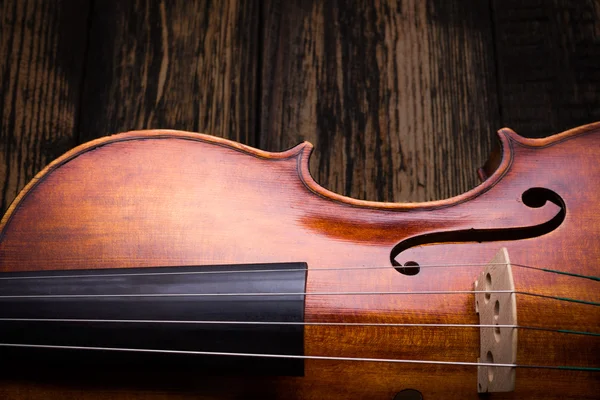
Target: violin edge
(141,134)
(506,138)
(550,139)
(302,151)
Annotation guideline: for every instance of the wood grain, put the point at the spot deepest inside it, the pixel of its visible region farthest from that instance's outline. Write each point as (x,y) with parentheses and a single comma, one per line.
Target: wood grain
(42,47)
(400,101)
(397,97)
(172,64)
(548,54)
(164,198)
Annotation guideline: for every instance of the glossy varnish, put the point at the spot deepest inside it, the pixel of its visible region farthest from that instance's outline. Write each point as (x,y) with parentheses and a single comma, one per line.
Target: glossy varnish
(170,198)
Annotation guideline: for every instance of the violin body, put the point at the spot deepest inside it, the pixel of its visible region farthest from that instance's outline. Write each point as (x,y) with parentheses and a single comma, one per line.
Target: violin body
(147,199)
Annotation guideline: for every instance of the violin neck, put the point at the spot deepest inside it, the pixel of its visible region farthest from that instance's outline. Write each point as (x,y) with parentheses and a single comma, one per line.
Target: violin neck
(202,309)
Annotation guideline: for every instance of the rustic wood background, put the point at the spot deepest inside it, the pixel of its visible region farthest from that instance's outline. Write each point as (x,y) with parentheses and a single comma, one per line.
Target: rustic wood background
(401,98)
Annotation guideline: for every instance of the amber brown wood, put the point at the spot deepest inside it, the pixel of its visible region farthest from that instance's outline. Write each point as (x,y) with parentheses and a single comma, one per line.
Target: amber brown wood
(187,65)
(190,65)
(150,198)
(398,98)
(42,47)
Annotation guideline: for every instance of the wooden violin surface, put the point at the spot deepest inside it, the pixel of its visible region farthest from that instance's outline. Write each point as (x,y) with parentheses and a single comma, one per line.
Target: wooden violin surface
(170,198)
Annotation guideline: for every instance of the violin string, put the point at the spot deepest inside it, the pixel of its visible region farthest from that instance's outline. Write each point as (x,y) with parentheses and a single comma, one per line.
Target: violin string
(559,272)
(300,323)
(252,294)
(295,323)
(299,357)
(311,270)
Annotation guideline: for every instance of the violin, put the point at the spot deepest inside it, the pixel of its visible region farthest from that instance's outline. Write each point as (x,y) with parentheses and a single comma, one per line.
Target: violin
(163,264)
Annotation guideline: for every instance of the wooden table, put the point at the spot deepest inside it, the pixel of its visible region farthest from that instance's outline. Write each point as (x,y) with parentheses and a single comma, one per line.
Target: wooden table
(401,99)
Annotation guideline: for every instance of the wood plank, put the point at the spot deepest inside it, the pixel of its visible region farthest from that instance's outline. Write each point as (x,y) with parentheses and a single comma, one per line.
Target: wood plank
(398,98)
(186,65)
(42,48)
(548,57)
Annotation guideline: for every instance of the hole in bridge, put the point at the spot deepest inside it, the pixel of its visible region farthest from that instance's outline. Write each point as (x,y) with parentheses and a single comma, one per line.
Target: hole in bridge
(490,359)
(497,334)
(496,316)
(488,286)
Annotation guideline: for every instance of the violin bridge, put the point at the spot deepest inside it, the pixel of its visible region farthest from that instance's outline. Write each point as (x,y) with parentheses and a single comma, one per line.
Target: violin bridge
(497,345)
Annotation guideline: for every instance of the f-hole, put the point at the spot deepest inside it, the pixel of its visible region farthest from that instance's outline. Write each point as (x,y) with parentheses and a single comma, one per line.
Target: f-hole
(533,198)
